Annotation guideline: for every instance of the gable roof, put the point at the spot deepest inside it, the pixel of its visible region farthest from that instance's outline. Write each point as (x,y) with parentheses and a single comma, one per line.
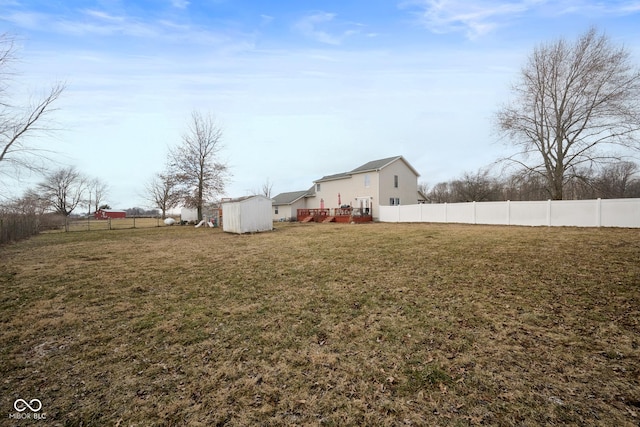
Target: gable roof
(374,165)
(288,198)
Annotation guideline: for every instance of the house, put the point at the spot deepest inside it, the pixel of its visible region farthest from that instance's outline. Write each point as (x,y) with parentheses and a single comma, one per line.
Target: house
(247,214)
(109,214)
(286,205)
(357,193)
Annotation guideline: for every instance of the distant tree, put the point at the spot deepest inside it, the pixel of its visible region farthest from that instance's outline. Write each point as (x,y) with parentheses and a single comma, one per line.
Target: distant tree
(196,163)
(524,186)
(617,180)
(19,124)
(423,188)
(31,203)
(105,206)
(477,186)
(141,212)
(64,189)
(97,190)
(267,187)
(163,192)
(574,103)
(440,193)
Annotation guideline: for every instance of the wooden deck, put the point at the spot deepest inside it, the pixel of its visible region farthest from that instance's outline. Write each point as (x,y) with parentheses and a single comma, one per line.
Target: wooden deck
(334,215)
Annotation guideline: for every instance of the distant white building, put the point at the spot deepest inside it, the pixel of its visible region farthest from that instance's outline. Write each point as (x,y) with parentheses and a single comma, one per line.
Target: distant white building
(249,214)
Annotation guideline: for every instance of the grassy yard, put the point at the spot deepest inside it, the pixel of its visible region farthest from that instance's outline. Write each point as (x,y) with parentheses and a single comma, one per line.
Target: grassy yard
(324,324)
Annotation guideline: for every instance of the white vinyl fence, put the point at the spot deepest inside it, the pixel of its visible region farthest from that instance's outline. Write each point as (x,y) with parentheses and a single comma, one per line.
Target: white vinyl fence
(578,213)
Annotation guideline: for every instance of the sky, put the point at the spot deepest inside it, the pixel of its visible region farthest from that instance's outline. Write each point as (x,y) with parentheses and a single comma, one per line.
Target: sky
(300,89)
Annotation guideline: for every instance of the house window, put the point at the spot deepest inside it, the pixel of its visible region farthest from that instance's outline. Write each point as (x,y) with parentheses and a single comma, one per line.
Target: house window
(367,181)
(397,201)
(392,201)
(276,210)
(395,181)
(318,187)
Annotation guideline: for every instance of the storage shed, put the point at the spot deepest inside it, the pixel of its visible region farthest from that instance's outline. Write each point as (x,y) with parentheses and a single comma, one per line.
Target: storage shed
(247,215)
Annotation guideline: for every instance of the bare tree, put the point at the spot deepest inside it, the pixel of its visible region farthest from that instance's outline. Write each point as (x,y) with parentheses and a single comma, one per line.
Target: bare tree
(98,191)
(64,189)
(574,104)
(196,163)
(31,203)
(162,190)
(476,187)
(617,180)
(20,124)
(267,187)
(440,193)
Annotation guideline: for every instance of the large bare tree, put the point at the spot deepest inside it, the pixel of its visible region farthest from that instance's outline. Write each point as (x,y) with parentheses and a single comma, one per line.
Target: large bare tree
(20,124)
(576,105)
(196,163)
(64,189)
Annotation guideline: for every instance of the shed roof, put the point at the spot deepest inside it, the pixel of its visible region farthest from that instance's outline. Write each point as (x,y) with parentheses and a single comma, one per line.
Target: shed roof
(243,198)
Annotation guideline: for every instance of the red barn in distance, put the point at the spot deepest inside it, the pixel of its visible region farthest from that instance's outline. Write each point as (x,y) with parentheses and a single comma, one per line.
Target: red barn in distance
(109,214)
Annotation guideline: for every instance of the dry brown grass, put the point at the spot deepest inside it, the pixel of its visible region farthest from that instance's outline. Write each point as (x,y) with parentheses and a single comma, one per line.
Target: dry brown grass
(324,324)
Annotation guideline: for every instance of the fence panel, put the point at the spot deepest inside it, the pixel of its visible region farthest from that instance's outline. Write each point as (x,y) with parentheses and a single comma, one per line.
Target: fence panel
(575,213)
(492,213)
(529,213)
(460,213)
(434,213)
(620,213)
(580,213)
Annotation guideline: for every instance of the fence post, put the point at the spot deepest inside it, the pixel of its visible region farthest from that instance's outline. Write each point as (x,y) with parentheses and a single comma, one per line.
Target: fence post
(548,212)
(598,212)
(134,221)
(445,212)
(508,212)
(109,223)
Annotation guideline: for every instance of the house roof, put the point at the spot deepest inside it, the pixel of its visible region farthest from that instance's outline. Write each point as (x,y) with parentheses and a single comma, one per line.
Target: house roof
(111,211)
(288,198)
(374,165)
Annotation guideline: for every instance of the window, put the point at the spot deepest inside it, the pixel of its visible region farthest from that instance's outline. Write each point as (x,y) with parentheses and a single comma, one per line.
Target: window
(397,201)
(318,187)
(395,181)
(392,201)
(276,210)
(367,181)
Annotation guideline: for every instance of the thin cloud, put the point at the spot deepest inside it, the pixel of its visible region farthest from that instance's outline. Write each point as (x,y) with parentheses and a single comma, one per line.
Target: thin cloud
(475,19)
(323,27)
(180,4)
(308,26)
(480,18)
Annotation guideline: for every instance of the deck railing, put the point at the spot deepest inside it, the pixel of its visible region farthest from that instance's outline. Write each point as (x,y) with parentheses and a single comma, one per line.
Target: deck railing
(319,214)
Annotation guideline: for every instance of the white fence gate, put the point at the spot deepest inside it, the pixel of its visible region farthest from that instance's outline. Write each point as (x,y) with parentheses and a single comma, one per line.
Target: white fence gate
(578,213)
